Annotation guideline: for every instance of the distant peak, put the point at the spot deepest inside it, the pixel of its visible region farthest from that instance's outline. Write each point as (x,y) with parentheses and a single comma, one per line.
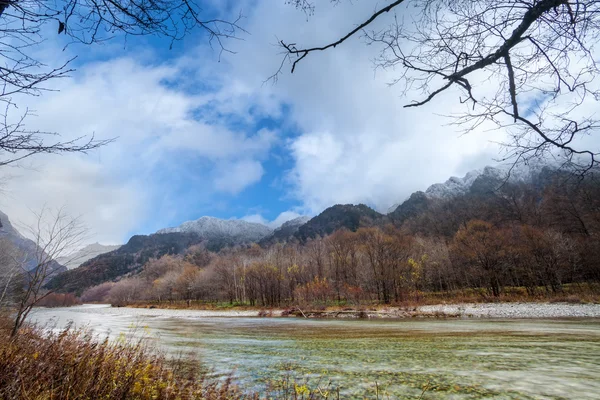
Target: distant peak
(294,222)
(237,230)
(456,186)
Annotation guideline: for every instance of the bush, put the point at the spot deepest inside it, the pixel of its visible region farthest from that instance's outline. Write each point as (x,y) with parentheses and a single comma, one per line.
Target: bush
(98,293)
(73,364)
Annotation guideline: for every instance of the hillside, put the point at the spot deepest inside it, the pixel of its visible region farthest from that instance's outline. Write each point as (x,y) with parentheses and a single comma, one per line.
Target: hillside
(340,216)
(25,247)
(88,252)
(285,232)
(538,198)
(215,234)
(129,258)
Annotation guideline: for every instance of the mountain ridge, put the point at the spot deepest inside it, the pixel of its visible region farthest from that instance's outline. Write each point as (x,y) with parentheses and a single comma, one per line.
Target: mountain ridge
(237,231)
(455,199)
(24,245)
(86,253)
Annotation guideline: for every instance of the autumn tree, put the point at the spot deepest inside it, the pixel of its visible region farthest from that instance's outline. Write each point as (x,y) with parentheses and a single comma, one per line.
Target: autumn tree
(198,255)
(343,246)
(481,244)
(552,254)
(126,291)
(387,254)
(437,271)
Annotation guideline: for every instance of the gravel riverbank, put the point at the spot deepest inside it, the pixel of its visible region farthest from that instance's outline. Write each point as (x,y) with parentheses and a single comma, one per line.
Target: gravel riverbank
(474,310)
(516,310)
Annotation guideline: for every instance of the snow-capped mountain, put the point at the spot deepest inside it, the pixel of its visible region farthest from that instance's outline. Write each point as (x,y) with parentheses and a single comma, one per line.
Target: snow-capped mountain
(237,230)
(487,177)
(88,252)
(293,223)
(285,232)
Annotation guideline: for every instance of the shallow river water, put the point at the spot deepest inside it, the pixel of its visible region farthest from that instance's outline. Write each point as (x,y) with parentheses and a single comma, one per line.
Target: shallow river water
(450,359)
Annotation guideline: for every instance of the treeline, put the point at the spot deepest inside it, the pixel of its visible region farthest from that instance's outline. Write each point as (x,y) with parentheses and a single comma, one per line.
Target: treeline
(535,238)
(58,300)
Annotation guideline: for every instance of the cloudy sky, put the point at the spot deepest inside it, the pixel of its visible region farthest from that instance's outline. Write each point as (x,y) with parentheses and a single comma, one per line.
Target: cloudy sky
(195,135)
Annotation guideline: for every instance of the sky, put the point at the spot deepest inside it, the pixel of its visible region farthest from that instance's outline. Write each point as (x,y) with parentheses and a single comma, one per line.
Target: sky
(200,133)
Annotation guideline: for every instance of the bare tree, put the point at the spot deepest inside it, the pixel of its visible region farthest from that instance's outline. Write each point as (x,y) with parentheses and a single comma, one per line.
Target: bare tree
(56,234)
(25,24)
(10,260)
(537,55)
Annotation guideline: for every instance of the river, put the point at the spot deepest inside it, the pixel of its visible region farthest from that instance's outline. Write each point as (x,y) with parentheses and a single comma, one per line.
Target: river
(450,359)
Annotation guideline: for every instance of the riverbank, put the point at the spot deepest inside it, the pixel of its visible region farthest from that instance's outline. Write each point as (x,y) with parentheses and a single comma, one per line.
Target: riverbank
(523,310)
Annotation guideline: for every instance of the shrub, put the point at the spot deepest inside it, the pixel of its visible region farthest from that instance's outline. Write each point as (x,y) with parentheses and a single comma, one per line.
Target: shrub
(73,364)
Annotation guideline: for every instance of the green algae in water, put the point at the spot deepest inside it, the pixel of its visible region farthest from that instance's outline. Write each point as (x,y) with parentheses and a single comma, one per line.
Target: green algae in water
(449,359)
(511,360)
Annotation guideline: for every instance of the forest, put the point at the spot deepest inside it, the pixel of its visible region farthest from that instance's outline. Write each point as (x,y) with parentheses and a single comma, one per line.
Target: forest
(535,240)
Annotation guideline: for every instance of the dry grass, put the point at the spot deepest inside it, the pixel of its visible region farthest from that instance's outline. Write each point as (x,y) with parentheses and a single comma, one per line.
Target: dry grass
(71,364)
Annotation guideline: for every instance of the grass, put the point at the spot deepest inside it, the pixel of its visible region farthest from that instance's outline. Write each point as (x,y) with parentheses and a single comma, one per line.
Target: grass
(72,364)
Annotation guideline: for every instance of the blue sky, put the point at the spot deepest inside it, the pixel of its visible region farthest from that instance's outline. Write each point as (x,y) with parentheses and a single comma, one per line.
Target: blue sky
(197,137)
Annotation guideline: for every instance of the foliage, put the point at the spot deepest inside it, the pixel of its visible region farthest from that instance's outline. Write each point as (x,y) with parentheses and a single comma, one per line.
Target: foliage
(59,300)
(73,364)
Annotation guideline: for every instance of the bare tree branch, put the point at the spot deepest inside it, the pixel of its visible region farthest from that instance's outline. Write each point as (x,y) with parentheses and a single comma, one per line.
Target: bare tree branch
(23,28)
(537,53)
(56,234)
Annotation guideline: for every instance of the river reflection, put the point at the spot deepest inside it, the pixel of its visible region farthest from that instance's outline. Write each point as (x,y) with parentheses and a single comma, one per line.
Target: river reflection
(451,359)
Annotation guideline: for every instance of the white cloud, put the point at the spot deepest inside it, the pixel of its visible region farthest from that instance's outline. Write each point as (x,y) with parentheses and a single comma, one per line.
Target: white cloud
(277,222)
(159,138)
(357,143)
(234,177)
(284,217)
(354,142)
(256,218)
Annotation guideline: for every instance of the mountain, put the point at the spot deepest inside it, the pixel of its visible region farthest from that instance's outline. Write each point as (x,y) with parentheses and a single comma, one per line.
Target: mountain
(222,232)
(417,203)
(340,216)
(213,233)
(88,252)
(489,179)
(24,246)
(285,232)
(127,259)
(487,194)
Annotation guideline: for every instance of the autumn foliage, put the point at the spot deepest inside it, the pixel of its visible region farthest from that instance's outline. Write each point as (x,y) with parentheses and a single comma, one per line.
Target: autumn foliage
(520,239)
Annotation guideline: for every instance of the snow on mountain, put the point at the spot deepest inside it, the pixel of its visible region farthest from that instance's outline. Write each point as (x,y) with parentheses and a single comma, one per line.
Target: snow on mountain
(458,186)
(237,230)
(454,186)
(293,223)
(88,252)
(285,232)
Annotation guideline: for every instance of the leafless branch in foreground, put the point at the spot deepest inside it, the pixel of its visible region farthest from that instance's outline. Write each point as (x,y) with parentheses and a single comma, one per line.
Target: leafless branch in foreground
(538,53)
(56,234)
